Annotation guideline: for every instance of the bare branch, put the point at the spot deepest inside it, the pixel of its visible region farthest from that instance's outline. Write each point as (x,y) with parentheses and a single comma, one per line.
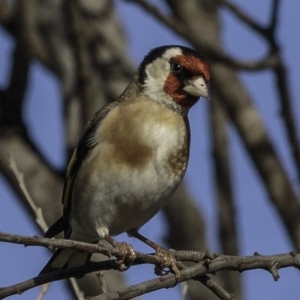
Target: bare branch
(12,99)
(44,289)
(205,280)
(216,263)
(56,243)
(241,111)
(76,289)
(227,231)
(20,178)
(242,16)
(156,12)
(216,289)
(290,122)
(284,92)
(166,281)
(274,16)
(103,287)
(270,61)
(6,12)
(184,290)
(83,62)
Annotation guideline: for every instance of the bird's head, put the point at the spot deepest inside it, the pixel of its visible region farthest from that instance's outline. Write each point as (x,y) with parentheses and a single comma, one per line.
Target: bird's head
(176,76)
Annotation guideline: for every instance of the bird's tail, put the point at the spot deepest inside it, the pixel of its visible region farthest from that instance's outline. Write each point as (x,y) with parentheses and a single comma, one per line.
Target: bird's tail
(65,259)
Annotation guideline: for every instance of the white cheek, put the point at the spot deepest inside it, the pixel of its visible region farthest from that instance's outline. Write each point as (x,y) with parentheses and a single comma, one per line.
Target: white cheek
(157,73)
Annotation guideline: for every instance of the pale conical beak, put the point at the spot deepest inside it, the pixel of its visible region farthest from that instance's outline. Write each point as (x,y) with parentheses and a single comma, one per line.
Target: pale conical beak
(197,87)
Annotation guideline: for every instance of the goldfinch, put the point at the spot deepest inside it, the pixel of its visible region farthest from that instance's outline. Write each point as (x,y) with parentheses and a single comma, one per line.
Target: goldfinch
(132,155)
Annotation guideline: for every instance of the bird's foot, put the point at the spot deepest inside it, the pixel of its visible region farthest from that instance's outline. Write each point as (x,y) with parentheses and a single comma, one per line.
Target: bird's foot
(126,253)
(169,261)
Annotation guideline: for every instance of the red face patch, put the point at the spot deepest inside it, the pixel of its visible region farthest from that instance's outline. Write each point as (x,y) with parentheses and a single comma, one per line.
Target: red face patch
(194,65)
(174,86)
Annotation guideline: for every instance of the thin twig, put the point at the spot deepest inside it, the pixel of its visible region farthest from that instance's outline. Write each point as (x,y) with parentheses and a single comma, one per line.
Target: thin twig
(56,243)
(156,12)
(102,284)
(43,290)
(274,16)
(77,291)
(227,227)
(216,289)
(290,124)
(204,279)
(270,61)
(242,16)
(184,290)
(39,218)
(283,90)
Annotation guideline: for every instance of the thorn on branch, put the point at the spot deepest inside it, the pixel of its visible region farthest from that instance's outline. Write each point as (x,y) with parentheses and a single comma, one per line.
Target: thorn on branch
(274,271)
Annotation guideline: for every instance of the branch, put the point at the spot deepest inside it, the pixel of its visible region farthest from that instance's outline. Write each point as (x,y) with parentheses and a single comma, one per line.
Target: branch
(84,72)
(227,227)
(215,54)
(6,12)
(213,264)
(166,281)
(20,178)
(242,16)
(243,114)
(274,16)
(270,61)
(174,25)
(284,91)
(287,114)
(268,32)
(181,209)
(93,248)
(12,99)
(56,243)
(44,289)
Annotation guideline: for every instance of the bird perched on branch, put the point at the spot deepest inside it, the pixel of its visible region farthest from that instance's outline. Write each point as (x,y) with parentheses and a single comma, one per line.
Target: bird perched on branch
(132,155)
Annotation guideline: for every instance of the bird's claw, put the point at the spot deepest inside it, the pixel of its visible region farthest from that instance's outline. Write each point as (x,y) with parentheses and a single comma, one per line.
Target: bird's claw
(169,261)
(126,254)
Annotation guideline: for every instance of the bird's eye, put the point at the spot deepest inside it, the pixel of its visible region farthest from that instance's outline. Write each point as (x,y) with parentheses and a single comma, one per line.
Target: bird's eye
(176,67)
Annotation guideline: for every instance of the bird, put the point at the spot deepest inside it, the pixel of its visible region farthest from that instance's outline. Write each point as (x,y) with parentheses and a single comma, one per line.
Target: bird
(132,155)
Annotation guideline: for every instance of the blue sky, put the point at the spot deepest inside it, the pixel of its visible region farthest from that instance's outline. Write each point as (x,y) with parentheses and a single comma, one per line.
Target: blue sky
(258,226)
